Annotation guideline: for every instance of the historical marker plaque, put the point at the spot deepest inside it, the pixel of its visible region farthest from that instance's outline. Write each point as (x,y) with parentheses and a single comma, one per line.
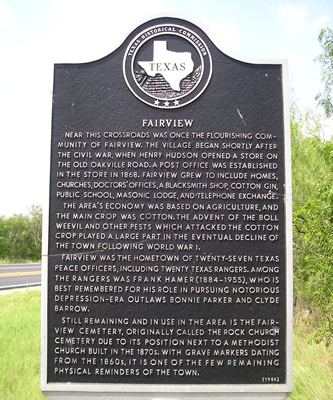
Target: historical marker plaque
(169,235)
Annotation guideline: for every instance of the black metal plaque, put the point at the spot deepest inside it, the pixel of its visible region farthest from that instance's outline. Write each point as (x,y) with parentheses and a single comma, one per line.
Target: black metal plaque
(167,247)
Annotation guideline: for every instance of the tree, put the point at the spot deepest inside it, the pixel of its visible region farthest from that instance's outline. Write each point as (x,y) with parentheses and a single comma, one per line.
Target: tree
(325,99)
(21,236)
(35,231)
(313,227)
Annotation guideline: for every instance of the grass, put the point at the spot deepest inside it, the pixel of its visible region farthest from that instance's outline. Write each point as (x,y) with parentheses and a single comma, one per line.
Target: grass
(313,364)
(20,346)
(18,261)
(20,349)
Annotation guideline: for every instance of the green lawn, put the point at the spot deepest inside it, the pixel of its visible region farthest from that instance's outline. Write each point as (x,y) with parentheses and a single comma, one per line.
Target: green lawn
(313,366)
(20,349)
(20,345)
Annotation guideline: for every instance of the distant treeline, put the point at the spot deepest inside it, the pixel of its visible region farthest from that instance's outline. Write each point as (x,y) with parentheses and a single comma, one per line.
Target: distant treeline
(21,237)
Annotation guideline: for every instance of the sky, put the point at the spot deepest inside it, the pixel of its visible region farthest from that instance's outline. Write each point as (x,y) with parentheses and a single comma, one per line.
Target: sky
(35,34)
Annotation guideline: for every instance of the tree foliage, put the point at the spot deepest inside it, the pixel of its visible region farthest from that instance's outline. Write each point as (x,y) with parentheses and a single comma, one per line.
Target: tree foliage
(313,225)
(21,236)
(326,60)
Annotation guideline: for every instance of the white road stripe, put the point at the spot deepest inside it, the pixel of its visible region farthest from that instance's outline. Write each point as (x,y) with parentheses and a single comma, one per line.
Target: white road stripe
(20,286)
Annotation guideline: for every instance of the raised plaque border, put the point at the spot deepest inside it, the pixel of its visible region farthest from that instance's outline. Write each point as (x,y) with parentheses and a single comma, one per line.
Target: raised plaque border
(71,391)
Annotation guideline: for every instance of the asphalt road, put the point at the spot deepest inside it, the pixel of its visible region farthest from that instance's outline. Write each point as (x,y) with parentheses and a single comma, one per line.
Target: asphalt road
(19,275)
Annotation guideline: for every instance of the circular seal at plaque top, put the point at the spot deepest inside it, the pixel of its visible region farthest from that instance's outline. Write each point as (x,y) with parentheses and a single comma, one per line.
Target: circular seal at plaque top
(167,66)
